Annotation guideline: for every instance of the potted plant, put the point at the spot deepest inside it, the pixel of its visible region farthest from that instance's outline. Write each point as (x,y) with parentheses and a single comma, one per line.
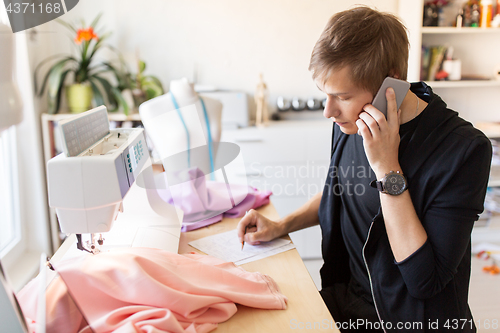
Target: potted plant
(88,80)
(145,87)
(141,87)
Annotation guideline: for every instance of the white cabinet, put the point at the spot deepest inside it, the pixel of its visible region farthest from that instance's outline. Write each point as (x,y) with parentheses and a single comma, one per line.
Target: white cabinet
(477,48)
(291,159)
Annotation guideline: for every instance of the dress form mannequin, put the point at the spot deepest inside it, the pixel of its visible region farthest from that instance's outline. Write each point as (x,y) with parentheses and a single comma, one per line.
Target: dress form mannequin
(163,124)
(185,95)
(262,114)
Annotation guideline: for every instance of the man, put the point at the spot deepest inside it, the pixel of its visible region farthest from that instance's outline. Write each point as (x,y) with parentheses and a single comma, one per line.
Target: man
(397,261)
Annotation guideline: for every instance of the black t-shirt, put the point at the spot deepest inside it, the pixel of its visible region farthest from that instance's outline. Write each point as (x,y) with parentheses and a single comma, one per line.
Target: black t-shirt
(360,203)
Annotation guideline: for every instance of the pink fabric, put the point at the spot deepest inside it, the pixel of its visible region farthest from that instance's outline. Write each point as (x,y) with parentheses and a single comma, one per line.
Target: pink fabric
(207,202)
(149,290)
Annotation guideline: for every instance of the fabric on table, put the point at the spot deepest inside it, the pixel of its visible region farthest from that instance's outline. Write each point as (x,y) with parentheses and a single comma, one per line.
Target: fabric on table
(150,290)
(207,202)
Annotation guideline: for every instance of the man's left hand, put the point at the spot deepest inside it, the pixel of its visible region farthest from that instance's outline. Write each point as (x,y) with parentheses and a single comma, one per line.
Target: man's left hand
(381,135)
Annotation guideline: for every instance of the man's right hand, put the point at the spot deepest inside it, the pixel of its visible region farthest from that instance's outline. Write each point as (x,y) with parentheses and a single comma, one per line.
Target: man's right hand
(261,229)
(258,228)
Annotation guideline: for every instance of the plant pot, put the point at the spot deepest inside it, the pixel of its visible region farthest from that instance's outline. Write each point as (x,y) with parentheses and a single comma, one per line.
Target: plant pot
(79,97)
(139,97)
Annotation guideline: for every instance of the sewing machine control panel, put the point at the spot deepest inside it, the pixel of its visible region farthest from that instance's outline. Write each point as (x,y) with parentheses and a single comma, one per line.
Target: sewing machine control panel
(134,156)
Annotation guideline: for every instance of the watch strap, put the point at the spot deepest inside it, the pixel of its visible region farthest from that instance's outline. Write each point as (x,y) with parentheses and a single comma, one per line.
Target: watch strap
(377,184)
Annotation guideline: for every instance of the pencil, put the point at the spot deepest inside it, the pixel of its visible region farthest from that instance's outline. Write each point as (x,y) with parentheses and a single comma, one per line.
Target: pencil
(243,239)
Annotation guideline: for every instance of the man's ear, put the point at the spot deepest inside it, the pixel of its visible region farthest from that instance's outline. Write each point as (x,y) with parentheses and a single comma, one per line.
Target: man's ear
(394,74)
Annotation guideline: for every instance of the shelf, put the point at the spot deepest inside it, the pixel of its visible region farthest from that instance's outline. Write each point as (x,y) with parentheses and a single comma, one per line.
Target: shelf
(463,30)
(464,83)
(112,116)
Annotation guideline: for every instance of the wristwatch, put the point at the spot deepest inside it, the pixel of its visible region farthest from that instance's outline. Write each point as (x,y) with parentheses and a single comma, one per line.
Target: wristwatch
(394,183)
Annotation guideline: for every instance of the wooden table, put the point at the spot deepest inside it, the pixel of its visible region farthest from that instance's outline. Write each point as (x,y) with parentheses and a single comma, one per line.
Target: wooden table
(305,306)
(305,309)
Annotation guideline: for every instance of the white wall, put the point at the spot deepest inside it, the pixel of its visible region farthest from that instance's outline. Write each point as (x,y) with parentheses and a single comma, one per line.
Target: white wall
(229,41)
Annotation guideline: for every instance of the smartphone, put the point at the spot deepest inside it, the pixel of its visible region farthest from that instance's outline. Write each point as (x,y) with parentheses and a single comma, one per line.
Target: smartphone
(400,89)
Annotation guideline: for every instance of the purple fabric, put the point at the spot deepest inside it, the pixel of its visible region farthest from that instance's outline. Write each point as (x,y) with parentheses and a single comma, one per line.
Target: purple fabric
(207,202)
(254,199)
(188,226)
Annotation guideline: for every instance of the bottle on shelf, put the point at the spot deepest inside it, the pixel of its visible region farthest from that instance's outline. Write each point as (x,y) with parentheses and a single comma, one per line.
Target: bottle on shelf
(486,13)
(467,20)
(475,15)
(459,21)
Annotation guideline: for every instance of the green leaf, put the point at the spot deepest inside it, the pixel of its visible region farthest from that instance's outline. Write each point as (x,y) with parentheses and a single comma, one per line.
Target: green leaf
(97,95)
(155,80)
(96,20)
(152,90)
(123,77)
(121,101)
(98,44)
(150,93)
(70,27)
(108,92)
(142,66)
(85,50)
(55,78)
(151,86)
(61,87)
(99,68)
(47,75)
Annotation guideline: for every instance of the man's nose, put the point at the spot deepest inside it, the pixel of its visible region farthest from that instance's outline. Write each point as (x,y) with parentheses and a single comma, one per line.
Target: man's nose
(331,108)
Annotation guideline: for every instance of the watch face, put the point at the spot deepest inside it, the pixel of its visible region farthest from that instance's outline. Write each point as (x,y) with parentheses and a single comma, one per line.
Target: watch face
(395,184)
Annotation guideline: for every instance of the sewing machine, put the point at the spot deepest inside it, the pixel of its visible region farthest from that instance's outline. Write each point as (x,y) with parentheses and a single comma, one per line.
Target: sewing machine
(88,181)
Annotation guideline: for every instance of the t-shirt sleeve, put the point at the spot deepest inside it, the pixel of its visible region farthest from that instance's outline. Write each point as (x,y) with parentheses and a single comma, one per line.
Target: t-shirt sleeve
(448,223)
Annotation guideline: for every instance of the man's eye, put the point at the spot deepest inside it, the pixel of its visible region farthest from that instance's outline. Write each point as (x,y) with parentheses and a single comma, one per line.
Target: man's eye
(343,99)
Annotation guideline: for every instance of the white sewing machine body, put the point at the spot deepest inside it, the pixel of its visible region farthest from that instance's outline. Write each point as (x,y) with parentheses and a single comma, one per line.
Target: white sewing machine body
(87,189)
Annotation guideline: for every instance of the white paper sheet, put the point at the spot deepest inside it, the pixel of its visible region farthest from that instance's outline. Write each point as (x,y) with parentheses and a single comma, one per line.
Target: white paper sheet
(226,246)
(266,254)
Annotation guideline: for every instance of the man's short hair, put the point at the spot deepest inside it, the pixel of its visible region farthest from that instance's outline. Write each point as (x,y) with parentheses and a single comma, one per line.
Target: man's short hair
(373,44)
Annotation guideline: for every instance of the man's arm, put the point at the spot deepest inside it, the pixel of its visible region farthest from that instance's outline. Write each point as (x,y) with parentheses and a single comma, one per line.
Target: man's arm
(448,223)
(381,143)
(404,229)
(428,258)
(261,229)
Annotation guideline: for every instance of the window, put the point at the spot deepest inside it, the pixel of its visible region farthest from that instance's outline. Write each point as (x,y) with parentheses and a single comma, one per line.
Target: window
(10,232)
(24,229)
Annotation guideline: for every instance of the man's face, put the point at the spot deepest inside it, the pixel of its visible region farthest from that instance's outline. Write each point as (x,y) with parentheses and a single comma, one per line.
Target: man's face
(344,101)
